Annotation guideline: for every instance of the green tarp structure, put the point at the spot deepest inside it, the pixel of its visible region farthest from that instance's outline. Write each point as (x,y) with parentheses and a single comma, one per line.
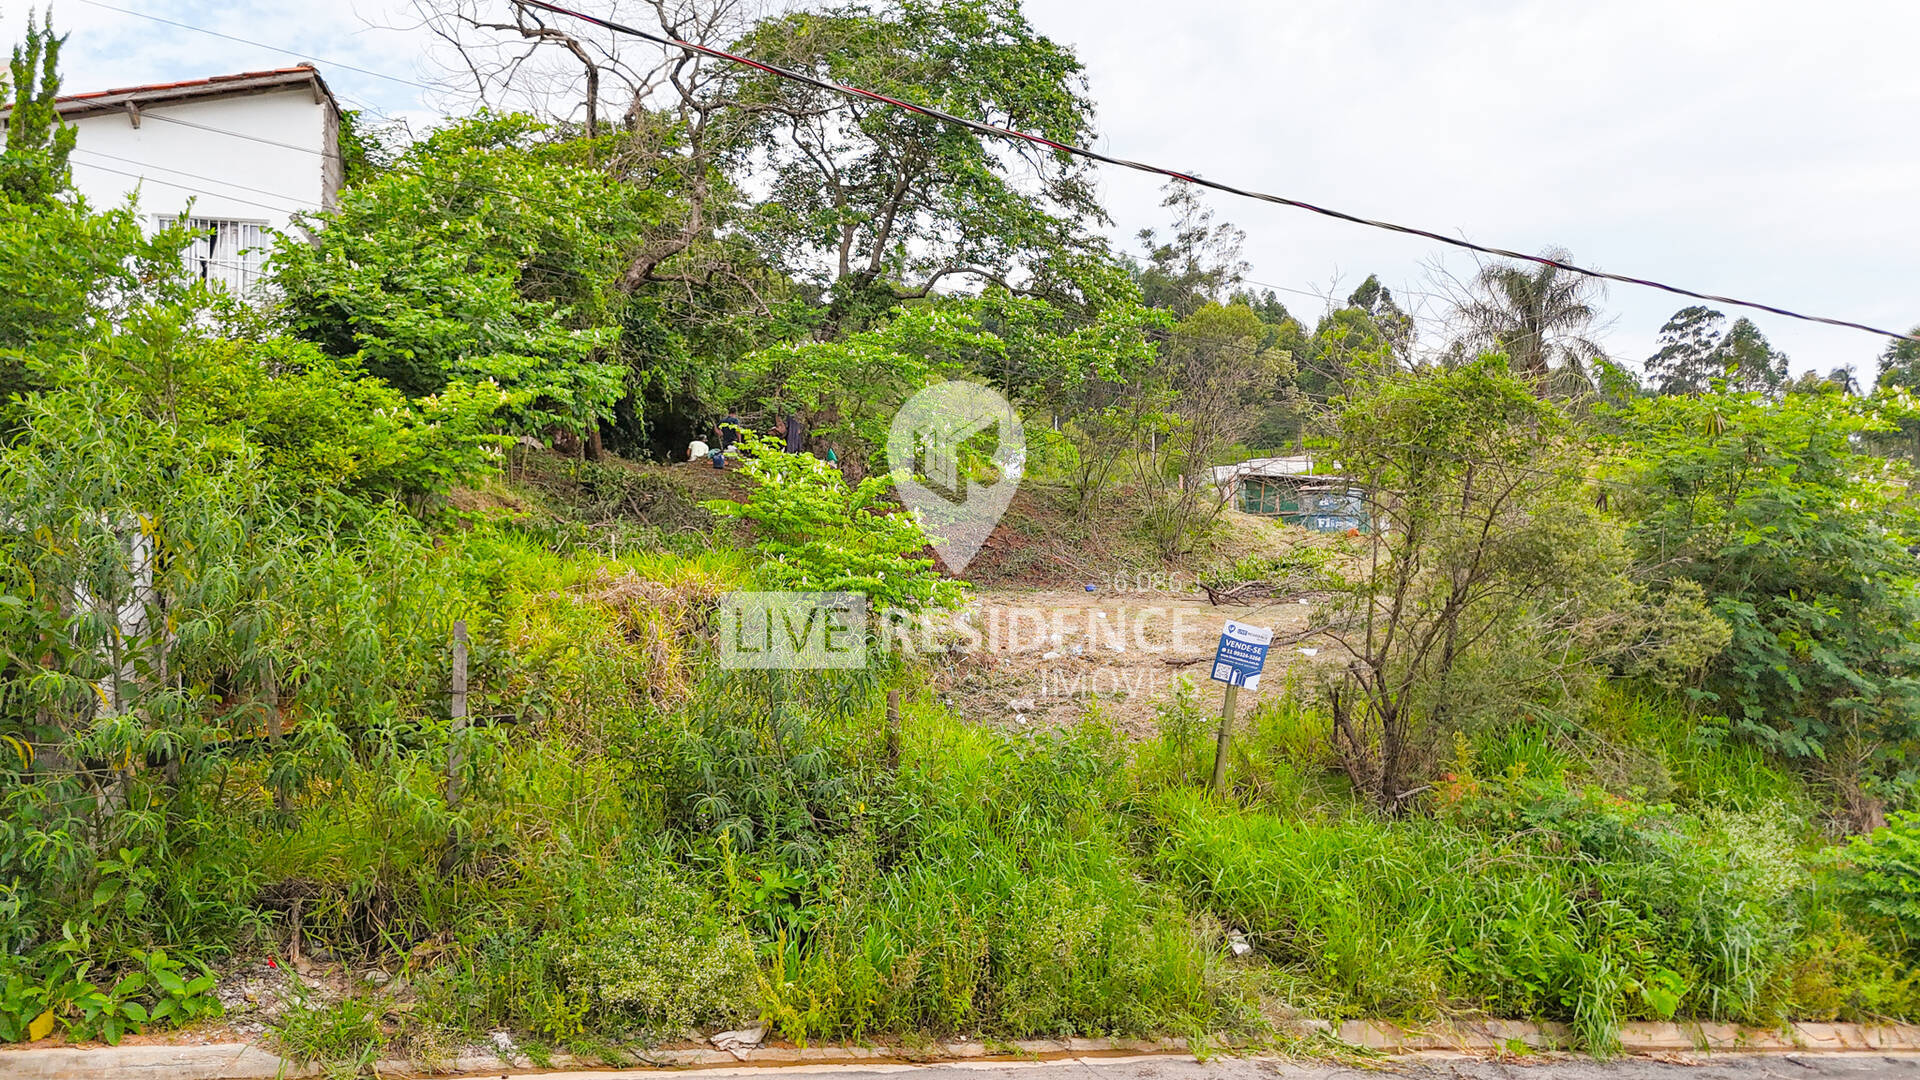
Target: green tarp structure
(1308,503)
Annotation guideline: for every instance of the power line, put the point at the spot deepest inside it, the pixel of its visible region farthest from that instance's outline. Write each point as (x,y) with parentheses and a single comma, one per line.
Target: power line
(294,199)
(263,45)
(235,198)
(1246,193)
(402,169)
(530,200)
(262,139)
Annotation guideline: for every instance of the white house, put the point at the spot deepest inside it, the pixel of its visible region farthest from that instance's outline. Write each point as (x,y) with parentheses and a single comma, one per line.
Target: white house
(239,154)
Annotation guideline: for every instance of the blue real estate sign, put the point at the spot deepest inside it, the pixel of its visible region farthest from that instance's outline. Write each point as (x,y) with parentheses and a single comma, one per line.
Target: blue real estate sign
(1242,654)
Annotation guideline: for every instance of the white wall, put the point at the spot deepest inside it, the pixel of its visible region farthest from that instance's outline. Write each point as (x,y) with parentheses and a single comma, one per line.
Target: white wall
(221,175)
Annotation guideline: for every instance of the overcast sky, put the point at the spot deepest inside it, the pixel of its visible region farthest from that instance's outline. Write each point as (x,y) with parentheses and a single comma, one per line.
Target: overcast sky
(1749,147)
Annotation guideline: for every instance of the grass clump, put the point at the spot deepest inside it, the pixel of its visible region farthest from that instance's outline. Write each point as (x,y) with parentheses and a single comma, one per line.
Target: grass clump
(993,889)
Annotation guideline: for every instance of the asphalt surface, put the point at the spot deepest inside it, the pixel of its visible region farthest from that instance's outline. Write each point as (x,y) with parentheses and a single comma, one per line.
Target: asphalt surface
(1774,1066)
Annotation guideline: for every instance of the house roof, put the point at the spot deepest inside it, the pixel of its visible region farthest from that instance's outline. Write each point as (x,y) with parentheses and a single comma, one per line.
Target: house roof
(151,95)
(1300,465)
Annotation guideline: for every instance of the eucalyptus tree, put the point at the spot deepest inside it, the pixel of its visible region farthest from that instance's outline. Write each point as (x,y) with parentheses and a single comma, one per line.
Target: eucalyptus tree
(1683,363)
(1197,262)
(1696,356)
(1748,362)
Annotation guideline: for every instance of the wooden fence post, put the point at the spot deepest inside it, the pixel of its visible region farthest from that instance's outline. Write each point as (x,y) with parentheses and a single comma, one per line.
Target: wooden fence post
(1226,733)
(893,731)
(456,761)
(270,690)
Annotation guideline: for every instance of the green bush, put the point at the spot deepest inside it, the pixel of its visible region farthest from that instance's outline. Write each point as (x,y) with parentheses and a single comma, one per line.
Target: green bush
(670,964)
(1878,876)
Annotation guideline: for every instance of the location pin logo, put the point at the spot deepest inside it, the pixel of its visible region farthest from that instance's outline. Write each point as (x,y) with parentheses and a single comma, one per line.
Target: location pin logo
(955,477)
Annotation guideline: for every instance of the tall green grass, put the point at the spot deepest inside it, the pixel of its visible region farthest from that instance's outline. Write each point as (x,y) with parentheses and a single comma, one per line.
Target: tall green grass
(644,845)
(1523,898)
(998,892)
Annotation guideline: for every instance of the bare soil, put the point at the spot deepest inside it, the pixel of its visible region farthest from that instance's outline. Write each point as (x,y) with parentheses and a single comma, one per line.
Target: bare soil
(1046,656)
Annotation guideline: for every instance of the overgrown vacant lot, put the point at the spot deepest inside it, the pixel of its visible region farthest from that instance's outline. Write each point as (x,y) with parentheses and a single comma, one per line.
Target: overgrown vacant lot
(646,846)
(364,676)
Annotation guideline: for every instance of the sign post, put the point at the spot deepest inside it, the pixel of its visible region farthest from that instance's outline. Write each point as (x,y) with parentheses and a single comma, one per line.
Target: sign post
(1238,661)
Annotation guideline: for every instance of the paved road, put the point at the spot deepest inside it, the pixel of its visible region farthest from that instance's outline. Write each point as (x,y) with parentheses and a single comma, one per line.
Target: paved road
(1777,1066)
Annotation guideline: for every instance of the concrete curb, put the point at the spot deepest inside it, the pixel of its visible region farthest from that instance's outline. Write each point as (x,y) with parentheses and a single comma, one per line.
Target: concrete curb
(243,1061)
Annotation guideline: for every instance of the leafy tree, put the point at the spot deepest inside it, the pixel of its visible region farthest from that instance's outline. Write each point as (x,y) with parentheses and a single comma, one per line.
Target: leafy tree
(879,203)
(491,255)
(1220,370)
(1347,343)
(848,390)
(1540,316)
(1284,417)
(1100,381)
(33,166)
(1897,383)
(1489,577)
(1395,325)
(1800,543)
(1838,381)
(69,273)
(1266,304)
(1900,363)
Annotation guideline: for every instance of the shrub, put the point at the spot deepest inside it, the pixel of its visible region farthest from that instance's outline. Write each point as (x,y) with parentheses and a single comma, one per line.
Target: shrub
(1879,876)
(671,963)
(819,533)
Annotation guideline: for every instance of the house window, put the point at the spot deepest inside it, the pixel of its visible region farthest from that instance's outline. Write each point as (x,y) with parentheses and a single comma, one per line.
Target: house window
(232,254)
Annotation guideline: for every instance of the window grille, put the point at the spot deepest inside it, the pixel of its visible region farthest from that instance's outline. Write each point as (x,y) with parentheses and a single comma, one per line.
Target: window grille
(231,254)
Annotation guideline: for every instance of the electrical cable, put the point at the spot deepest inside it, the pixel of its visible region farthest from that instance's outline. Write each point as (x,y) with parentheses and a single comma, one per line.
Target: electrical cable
(235,198)
(264,45)
(1332,300)
(294,199)
(1140,166)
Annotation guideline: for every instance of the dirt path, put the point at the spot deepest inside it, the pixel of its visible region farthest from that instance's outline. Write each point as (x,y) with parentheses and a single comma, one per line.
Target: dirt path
(1039,657)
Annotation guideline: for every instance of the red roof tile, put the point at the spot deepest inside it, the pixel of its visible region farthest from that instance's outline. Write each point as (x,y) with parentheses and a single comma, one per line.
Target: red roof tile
(211,80)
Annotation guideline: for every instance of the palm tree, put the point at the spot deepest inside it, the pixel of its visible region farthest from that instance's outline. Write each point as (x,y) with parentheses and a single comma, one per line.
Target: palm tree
(1540,316)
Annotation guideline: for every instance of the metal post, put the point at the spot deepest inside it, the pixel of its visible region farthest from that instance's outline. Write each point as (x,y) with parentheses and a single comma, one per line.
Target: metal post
(1226,733)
